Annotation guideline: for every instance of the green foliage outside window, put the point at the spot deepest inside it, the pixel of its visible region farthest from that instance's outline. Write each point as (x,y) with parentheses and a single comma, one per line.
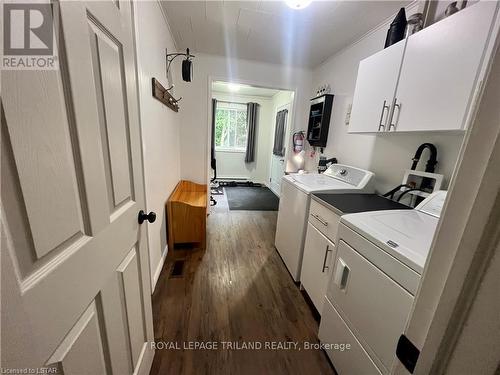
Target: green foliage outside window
(231,127)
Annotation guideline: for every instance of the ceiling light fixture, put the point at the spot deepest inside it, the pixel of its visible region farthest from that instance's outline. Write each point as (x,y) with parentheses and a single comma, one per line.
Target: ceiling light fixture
(298,4)
(233,87)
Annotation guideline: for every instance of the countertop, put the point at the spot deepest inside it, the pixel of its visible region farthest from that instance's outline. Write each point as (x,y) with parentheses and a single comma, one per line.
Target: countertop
(357,202)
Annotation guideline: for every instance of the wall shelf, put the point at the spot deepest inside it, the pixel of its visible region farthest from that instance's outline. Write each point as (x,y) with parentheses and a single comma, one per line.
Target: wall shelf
(162,94)
(319,120)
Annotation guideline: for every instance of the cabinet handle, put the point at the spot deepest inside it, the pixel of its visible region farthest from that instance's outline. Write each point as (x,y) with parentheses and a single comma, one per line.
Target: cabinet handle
(325,267)
(384,107)
(394,124)
(321,220)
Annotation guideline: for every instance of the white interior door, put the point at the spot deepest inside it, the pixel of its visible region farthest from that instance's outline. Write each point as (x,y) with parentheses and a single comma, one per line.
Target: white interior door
(278,164)
(75,274)
(277,172)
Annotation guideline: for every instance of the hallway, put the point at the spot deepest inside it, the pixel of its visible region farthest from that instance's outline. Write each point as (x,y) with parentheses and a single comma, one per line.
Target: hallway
(238,290)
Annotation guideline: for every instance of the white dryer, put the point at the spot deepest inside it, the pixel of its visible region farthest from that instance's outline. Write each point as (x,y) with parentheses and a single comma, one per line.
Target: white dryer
(380,258)
(294,206)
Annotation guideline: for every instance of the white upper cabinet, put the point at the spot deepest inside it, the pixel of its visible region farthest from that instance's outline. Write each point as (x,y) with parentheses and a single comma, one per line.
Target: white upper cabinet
(375,87)
(434,84)
(440,70)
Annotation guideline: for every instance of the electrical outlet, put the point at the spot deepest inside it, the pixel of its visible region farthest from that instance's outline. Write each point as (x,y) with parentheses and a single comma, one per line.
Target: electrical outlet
(348,115)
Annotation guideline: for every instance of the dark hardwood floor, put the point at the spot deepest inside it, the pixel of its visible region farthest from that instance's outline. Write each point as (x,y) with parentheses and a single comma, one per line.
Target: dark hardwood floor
(238,290)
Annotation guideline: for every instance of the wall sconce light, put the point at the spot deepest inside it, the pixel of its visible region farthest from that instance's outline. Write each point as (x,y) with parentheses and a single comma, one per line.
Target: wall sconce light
(187,64)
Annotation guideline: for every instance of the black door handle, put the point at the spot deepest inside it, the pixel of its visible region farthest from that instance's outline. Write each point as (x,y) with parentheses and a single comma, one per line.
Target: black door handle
(151,217)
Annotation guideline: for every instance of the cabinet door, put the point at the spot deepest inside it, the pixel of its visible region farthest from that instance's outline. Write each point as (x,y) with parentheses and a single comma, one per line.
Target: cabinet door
(440,70)
(319,254)
(375,87)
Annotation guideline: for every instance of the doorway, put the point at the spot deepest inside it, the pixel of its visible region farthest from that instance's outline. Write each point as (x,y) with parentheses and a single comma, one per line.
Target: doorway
(245,169)
(278,165)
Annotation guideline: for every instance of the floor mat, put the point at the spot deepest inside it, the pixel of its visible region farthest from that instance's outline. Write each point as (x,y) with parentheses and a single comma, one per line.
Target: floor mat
(251,199)
(239,183)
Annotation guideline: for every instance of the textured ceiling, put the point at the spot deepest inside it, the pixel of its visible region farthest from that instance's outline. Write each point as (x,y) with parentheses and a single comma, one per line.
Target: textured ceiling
(270,31)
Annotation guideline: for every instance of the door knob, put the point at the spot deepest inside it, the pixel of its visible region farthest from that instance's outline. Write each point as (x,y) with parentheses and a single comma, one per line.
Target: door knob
(151,217)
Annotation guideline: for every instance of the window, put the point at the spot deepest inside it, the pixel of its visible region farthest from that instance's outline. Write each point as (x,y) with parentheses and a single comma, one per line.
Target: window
(231,126)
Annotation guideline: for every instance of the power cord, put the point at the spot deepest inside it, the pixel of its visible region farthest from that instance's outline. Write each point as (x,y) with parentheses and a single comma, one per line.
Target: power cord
(406,192)
(391,193)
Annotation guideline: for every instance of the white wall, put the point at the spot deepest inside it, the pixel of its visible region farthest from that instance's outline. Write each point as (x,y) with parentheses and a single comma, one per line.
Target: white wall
(232,164)
(160,125)
(281,99)
(195,103)
(386,155)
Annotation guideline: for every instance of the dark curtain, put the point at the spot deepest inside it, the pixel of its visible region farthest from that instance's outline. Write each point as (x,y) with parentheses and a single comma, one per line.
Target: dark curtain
(252,114)
(279,133)
(213,162)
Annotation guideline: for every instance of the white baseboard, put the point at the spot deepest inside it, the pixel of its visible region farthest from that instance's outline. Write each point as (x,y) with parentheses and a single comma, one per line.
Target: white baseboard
(233,177)
(159,268)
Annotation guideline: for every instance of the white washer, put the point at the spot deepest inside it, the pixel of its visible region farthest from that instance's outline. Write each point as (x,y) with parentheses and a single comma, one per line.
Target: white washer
(380,258)
(294,206)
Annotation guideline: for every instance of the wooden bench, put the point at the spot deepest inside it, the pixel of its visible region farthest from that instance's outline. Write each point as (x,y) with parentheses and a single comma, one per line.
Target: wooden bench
(187,214)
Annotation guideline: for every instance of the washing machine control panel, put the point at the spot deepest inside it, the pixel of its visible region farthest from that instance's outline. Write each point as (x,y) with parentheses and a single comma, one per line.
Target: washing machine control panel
(345,173)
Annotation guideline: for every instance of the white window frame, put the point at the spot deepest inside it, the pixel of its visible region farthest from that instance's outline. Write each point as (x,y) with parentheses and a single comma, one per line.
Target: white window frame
(231,106)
